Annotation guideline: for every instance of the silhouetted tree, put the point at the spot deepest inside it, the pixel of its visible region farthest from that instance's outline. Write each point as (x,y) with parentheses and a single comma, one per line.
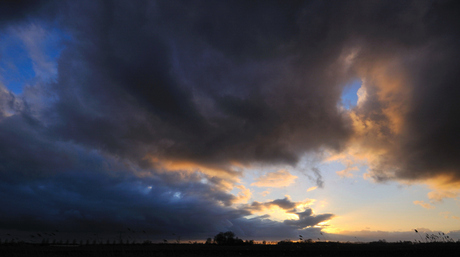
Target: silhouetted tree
(227,238)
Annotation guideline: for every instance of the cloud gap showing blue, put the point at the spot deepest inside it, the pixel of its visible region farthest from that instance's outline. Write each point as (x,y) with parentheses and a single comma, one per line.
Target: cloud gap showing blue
(350,93)
(17,64)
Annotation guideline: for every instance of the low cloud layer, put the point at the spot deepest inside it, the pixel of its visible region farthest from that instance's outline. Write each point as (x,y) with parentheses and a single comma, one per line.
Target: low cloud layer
(153,108)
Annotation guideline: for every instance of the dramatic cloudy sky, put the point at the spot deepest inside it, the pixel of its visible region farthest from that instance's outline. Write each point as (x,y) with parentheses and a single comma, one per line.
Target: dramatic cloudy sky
(335,120)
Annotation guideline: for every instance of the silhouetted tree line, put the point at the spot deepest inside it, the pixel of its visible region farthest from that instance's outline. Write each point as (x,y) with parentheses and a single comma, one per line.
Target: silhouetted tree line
(228,238)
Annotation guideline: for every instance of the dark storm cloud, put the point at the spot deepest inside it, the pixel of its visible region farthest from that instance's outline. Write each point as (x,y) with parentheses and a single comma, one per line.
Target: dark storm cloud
(245,29)
(8,103)
(102,198)
(49,185)
(82,202)
(26,152)
(188,81)
(11,11)
(243,81)
(22,11)
(433,143)
(162,83)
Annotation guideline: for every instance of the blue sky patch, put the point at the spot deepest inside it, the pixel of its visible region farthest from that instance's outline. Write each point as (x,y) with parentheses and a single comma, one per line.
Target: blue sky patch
(17,64)
(350,93)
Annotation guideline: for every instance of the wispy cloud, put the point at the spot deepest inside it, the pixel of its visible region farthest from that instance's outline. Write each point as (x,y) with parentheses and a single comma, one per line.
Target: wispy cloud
(348,172)
(448,215)
(36,40)
(424,205)
(278,178)
(311,188)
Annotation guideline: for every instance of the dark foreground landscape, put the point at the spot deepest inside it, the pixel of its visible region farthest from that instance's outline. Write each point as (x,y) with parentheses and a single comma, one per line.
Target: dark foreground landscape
(313,249)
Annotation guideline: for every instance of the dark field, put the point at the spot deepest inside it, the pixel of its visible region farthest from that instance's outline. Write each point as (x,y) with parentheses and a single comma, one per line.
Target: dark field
(314,249)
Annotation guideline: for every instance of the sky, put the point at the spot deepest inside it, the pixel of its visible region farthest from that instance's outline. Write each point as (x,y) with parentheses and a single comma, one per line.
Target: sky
(334,120)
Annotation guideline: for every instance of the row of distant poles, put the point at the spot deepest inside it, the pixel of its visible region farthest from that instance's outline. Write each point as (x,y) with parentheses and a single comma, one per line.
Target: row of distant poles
(55,237)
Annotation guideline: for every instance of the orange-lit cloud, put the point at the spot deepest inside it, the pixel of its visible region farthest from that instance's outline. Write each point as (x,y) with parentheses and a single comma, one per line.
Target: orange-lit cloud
(312,188)
(424,205)
(225,175)
(265,193)
(243,196)
(387,132)
(278,178)
(348,172)
(448,215)
(443,186)
(378,119)
(439,195)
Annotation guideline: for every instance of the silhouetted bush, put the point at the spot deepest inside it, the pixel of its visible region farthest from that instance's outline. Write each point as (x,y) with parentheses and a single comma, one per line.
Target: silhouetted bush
(228,238)
(285,242)
(147,242)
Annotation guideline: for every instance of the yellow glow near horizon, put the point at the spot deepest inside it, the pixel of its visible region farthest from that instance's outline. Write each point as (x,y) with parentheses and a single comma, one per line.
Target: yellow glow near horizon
(278,214)
(328,228)
(331,230)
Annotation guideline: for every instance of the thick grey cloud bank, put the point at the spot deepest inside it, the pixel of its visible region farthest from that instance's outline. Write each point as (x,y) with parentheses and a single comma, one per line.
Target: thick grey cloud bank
(217,83)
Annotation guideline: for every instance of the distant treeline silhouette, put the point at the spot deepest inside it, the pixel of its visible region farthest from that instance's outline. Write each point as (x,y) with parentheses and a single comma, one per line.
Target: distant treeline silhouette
(228,238)
(222,238)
